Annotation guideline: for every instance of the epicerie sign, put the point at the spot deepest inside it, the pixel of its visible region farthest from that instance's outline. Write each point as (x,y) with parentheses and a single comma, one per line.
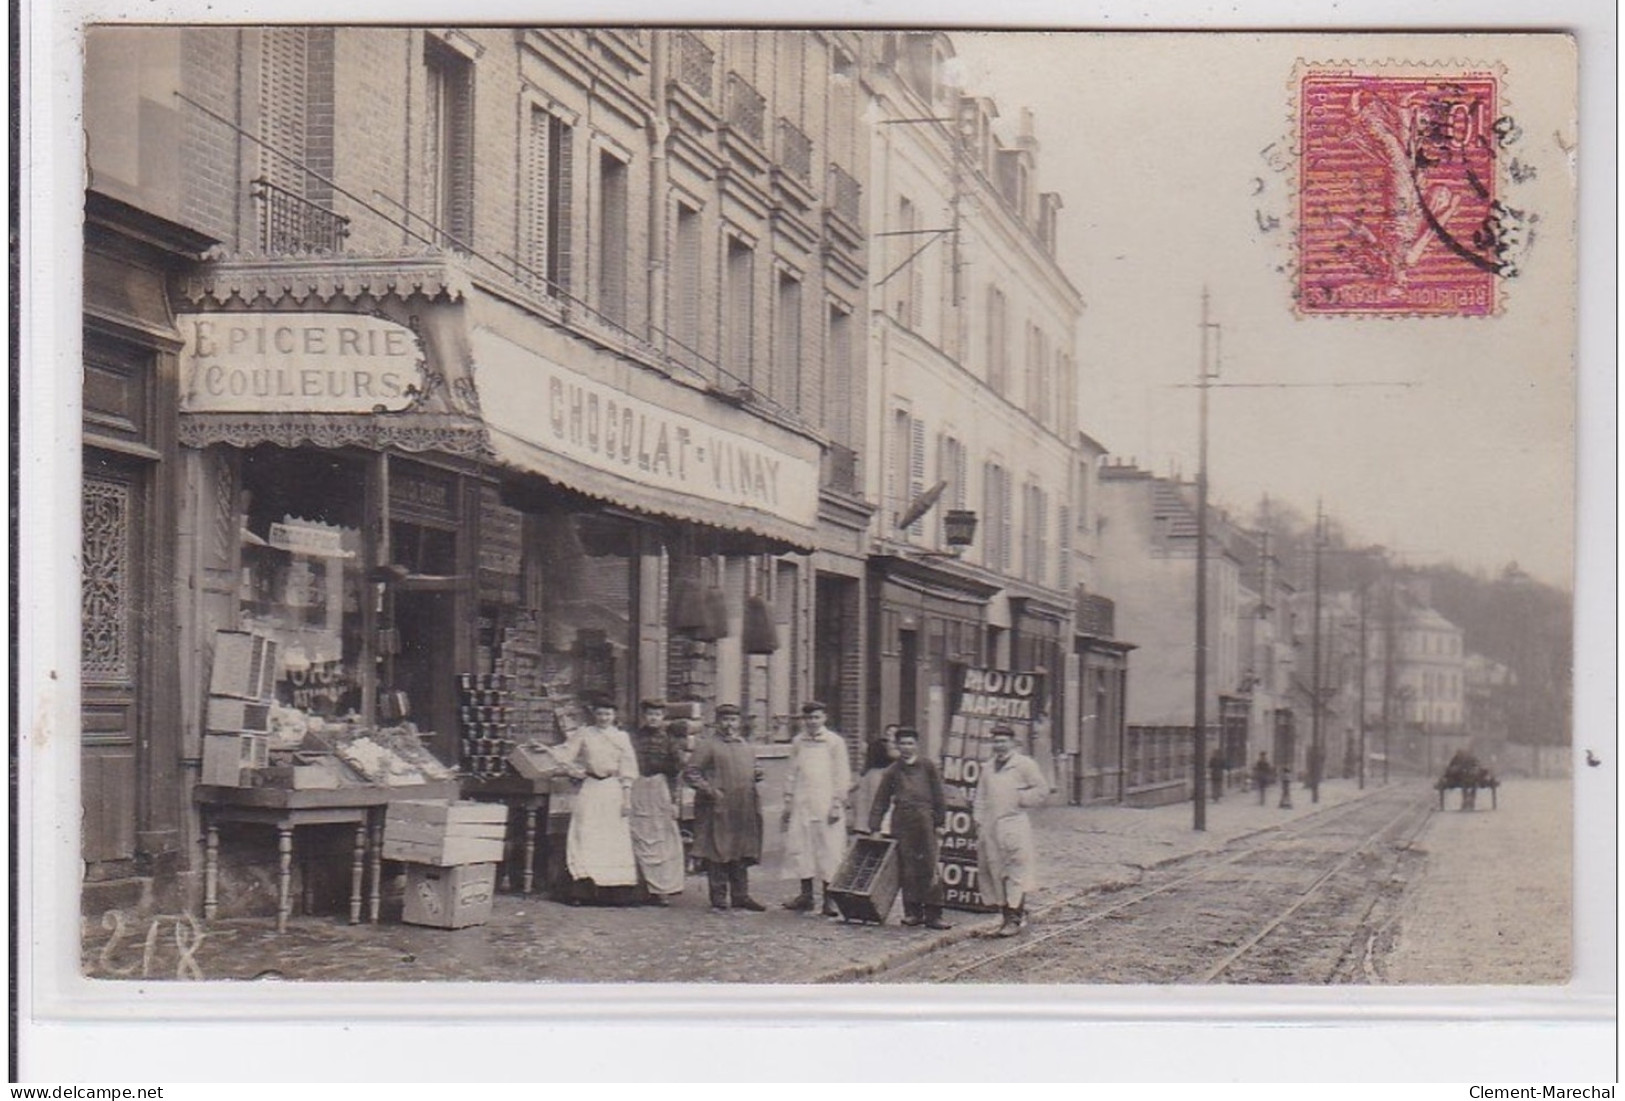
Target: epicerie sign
(297,363)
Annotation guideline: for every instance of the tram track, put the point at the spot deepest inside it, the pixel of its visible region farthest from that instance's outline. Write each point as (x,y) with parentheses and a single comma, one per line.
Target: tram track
(1241,879)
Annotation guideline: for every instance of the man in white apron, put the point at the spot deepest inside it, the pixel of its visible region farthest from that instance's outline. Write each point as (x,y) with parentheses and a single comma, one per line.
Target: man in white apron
(814,818)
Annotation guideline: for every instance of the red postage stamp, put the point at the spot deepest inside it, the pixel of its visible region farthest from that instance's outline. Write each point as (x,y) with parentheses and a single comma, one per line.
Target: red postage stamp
(1398,212)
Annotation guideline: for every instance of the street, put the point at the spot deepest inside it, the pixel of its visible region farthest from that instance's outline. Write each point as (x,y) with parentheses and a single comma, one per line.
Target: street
(1361,888)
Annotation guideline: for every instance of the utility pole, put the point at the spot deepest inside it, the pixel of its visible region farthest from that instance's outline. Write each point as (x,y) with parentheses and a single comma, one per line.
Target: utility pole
(1316,752)
(1205,374)
(1365,586)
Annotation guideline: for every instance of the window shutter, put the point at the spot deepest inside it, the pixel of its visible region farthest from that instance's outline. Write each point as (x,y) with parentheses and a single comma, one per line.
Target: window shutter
(540,138)
(1043,538)
(560,163)
(1004,520)
(916,471)
(282,88)
(1063,521)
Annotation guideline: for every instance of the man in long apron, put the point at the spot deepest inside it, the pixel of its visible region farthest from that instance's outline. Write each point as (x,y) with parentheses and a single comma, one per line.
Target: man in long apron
(727,812)
(1006,861)
(814,819)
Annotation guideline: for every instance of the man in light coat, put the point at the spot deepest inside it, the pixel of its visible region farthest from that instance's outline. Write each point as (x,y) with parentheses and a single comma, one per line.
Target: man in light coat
(814,819)
(1006,860)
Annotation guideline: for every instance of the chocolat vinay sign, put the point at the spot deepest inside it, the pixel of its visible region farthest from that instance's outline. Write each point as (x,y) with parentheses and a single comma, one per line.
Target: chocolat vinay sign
(981,700)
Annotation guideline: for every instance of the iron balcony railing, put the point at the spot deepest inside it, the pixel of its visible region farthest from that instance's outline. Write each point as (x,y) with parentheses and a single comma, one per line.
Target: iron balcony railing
(845,195)
(795,151)
(696,63)
(746,108)
(290,224)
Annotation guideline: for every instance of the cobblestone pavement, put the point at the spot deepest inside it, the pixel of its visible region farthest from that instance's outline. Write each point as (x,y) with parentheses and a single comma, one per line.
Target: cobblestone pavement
(1494,902)
(537,940)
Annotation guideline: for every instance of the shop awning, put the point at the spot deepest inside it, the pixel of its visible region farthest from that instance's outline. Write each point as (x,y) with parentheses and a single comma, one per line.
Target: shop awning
(647,444)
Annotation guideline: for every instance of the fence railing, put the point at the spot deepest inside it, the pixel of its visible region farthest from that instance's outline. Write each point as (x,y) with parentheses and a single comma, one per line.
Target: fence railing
(696,63)
(746,108)
(290,223)
(795,151)
(845,195)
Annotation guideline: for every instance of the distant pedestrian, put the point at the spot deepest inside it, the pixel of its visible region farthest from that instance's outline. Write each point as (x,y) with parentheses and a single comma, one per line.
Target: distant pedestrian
(727,812)
(657,842)
(1215,774)
(1006,861)
(814,818)
(911,790)
(877,757)
(1263,775)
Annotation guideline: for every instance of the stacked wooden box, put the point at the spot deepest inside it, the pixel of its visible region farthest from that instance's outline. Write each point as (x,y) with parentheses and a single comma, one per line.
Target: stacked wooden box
(451,851)
(237,723)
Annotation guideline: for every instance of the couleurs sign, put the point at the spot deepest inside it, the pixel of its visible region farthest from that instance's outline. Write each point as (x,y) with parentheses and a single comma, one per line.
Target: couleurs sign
(981,700)
(531,402)
(297,363)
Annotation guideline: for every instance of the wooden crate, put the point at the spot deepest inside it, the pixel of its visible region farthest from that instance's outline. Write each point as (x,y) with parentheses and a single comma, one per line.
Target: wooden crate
(449,898)
(445,834)
(865,887)
(225,756)
(227,715)
(245,665)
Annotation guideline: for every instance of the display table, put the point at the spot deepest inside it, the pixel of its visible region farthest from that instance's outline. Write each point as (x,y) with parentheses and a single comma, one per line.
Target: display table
(286,810)
(531,799)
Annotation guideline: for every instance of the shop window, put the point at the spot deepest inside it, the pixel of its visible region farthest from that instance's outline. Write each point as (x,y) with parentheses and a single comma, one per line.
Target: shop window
(585,569)
(302,573)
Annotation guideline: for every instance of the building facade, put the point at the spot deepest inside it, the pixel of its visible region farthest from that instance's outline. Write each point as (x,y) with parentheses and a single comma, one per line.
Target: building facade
(972,332)
(498,351)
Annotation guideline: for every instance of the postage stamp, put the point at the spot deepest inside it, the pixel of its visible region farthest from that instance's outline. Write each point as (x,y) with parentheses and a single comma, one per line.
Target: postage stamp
(1398,205)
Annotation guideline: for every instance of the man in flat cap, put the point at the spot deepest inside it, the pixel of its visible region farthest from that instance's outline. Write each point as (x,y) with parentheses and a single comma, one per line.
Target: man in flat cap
(814,818)
(1009,784)
(912,787)
(727,812)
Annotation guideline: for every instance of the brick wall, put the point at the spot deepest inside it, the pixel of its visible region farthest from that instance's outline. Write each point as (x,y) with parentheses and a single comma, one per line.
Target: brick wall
(212,184)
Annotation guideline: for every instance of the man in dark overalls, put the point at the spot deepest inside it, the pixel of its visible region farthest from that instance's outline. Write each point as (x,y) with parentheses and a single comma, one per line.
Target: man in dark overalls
(912,787)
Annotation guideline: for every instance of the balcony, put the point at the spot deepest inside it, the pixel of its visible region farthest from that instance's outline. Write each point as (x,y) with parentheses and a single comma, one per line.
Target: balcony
(745,109)
(695,64)
(1096,614)
(795,151)
(845,196)
(291,225)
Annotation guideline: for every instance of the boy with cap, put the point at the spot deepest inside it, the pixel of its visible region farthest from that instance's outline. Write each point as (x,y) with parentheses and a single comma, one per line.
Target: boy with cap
(912,787)
(727,811)
(814,818)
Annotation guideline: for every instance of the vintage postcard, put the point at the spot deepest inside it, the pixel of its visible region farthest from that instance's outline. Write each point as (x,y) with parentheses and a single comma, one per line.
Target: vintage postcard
(566,507)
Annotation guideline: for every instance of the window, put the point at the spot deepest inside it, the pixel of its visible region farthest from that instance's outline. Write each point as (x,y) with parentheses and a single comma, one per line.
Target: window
(906,281)
(906,468)
(450,150)
(684,284)
(996,506)
(548,207)
(997,353)
(951,469)
(738,275)
(839,399)
(787,343)
(612,237)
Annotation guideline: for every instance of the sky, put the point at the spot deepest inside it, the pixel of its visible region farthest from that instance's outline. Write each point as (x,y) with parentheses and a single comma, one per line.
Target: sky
(1440,438)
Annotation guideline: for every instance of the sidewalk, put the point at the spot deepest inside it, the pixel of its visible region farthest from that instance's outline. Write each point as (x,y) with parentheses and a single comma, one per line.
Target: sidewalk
(538,940)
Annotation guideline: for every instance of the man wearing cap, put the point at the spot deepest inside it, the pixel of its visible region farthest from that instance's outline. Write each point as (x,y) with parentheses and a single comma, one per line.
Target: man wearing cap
(912,787)
(727,812)
(1009,784)
(656,841)
(814,818)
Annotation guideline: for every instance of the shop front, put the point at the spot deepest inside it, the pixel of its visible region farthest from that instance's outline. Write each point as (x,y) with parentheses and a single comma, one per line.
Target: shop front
(1040,643)
(926,620)
(444,517)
